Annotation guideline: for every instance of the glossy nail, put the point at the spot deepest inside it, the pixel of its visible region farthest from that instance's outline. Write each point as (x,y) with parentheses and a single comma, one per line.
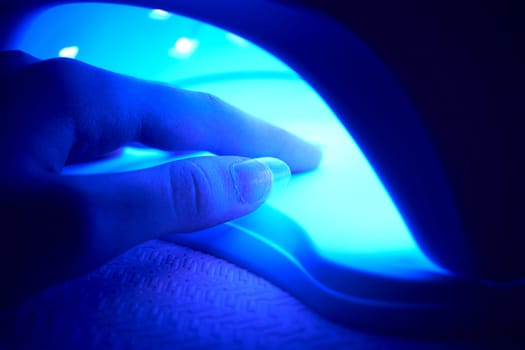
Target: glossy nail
(255,179)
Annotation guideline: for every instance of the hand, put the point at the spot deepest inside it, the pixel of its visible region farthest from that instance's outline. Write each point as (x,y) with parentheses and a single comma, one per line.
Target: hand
(59,111)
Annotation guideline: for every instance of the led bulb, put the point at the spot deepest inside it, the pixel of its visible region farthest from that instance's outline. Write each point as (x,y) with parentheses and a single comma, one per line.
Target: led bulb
(69,52)
(183,47)
(159,14)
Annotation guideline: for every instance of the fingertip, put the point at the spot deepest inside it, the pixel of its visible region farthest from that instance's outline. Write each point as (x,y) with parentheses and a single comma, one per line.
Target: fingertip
(215,189)
(306,156)
(316,154)
(252,181)
(280,173)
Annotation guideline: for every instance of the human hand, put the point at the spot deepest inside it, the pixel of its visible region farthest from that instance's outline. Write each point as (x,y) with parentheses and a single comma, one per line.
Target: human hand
(61,111)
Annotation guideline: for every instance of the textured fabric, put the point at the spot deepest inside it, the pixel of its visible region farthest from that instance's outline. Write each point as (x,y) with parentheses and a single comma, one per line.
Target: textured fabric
(163,296)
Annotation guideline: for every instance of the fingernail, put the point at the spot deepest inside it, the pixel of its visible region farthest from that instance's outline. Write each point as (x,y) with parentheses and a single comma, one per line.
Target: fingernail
(281,173)
(254,179)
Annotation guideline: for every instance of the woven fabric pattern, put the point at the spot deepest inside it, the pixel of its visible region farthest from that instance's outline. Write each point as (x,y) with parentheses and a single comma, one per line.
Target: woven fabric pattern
(162,296)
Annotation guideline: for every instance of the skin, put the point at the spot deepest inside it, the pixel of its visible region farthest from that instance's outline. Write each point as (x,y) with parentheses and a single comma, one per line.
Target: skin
(60,111)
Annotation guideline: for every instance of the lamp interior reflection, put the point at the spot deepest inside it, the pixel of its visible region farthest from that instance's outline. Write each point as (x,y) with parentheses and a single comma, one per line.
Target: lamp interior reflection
(343,208)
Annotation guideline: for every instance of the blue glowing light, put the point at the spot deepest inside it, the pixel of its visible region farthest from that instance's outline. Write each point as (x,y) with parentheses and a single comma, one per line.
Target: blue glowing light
(237,39)
(183,47)
(159,14)
(343,207)
(69,52)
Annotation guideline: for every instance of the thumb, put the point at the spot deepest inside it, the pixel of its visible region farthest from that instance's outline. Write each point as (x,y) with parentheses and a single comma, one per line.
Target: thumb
(185,195)
(75,223)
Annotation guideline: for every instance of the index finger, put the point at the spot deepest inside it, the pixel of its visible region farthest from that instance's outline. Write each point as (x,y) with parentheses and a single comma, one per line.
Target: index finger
(195,120)
(114,109)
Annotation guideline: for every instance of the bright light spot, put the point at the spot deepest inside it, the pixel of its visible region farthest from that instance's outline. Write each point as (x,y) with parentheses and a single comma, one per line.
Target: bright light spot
(237,39)
(183,47)
(159,14)
(70,52)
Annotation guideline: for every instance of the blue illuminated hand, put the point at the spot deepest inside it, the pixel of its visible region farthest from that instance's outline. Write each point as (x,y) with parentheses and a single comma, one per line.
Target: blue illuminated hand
(61,111)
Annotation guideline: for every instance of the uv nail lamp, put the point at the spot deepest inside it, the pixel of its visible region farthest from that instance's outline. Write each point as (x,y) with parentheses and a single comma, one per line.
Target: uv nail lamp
(396,165)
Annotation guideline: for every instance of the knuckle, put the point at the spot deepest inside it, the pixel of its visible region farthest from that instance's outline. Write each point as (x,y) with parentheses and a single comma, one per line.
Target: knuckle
(61,68)
(55,80)
(212,101)
(192,192)
(63,63)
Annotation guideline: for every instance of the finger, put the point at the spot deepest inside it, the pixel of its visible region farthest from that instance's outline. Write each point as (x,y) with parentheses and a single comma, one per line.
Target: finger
(111,110)
(194,120)
(73,224)
(13,60)
(182,196)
